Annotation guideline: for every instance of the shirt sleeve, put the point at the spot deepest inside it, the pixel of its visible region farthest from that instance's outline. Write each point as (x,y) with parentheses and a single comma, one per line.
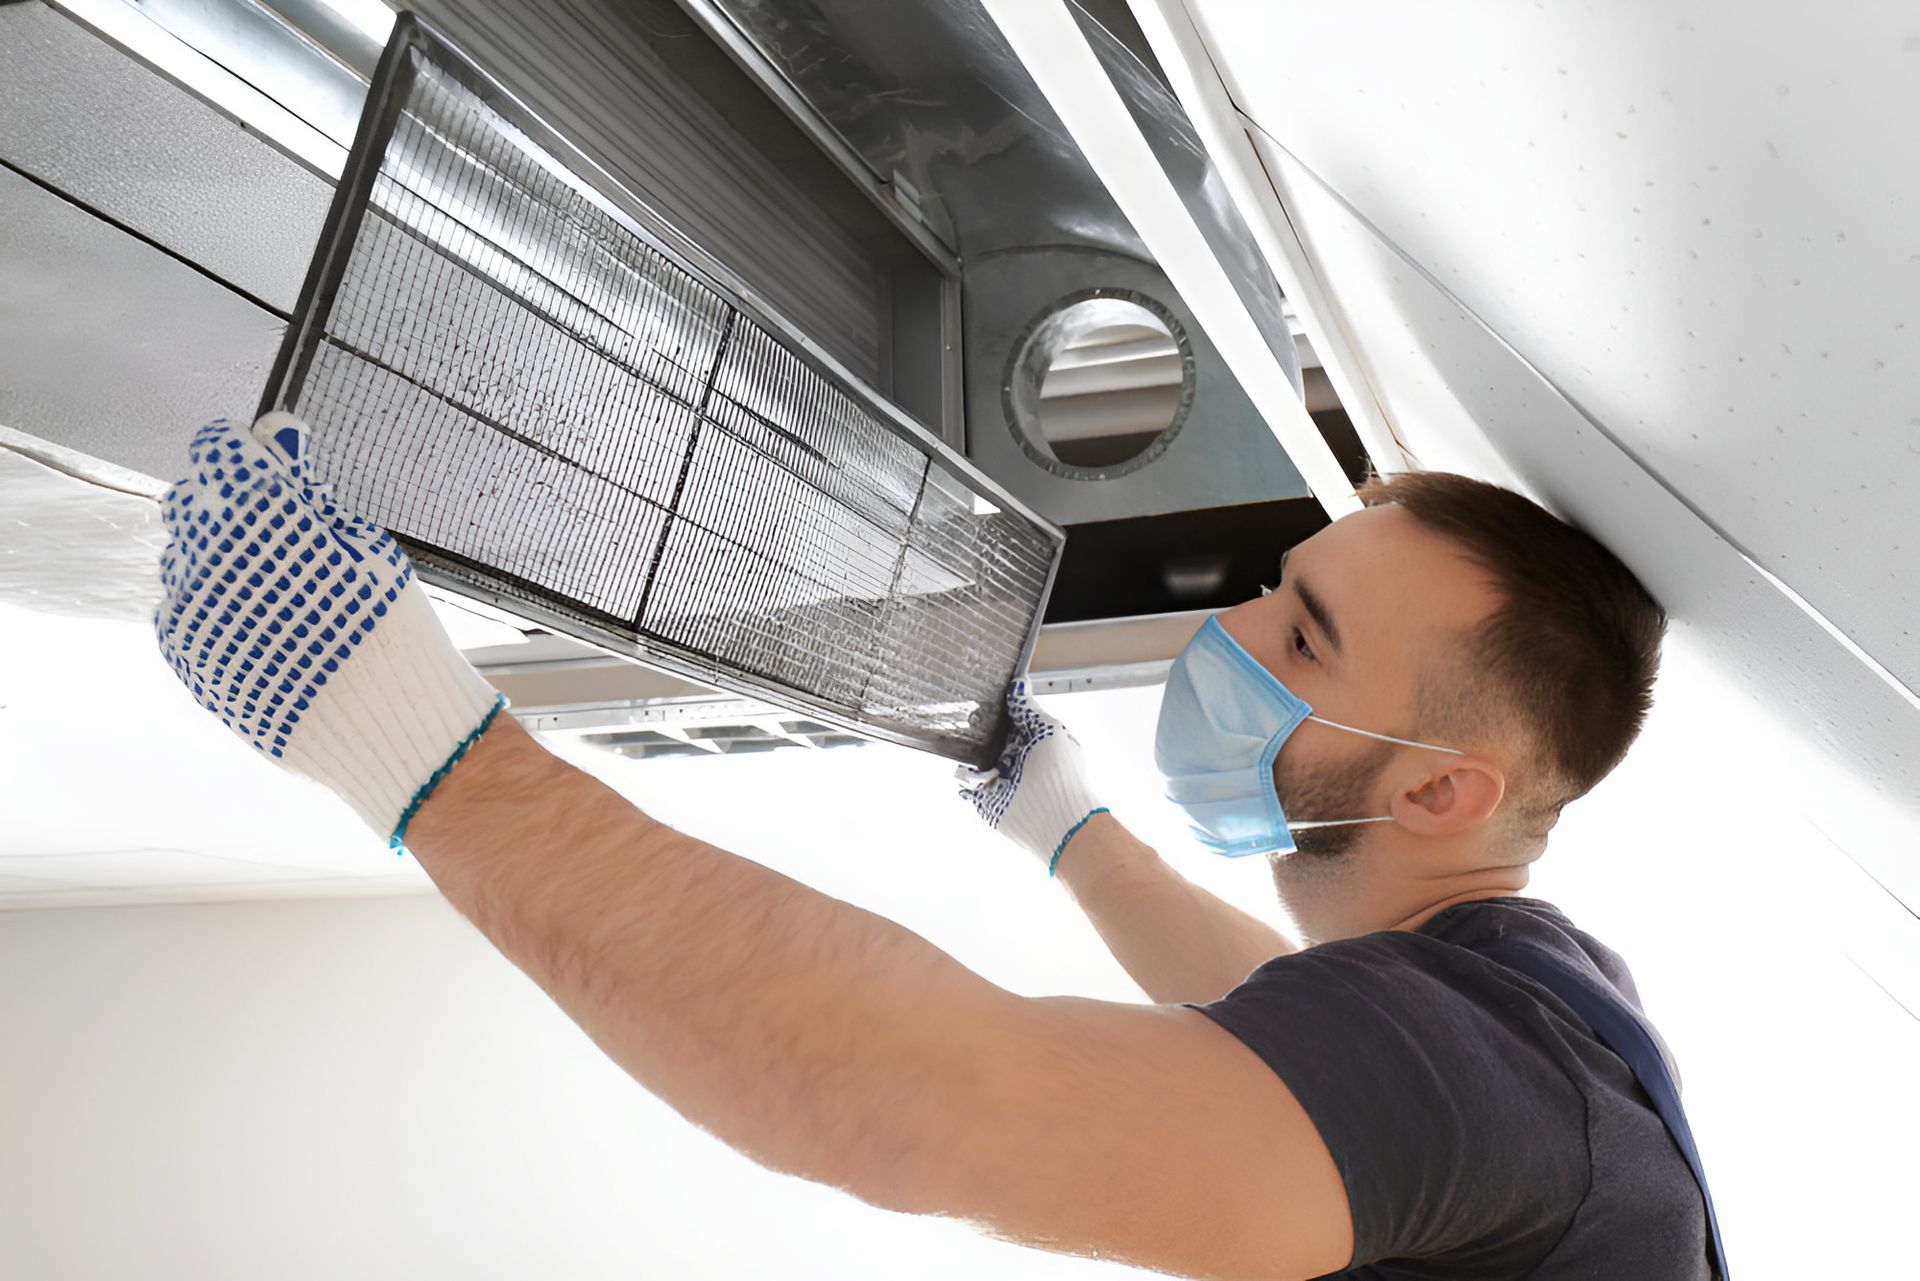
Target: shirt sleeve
(1434,1084)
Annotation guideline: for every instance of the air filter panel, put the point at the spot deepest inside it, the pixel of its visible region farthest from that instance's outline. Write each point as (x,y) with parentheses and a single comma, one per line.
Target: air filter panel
(558,403)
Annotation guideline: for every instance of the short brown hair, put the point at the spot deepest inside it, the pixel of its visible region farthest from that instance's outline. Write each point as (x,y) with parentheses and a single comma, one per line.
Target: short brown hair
(1567,660)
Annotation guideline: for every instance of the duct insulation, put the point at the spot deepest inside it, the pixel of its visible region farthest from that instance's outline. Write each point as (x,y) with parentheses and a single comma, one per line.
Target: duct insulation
(558,404)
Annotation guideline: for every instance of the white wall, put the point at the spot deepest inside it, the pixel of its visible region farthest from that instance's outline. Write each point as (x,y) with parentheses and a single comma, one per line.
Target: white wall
(362,1088)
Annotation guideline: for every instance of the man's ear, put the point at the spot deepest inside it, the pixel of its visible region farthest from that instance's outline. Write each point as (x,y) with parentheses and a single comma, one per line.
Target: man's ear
(1463,795)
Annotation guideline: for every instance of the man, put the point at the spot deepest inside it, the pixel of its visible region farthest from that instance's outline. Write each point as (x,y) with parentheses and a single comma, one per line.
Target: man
(1435,677)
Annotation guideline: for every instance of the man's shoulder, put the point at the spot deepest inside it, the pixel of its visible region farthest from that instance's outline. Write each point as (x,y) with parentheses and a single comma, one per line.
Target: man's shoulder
(1434,982)
(1425,1064)
(1536,922)
(1422,1071)
(1437,981)
(1466,927)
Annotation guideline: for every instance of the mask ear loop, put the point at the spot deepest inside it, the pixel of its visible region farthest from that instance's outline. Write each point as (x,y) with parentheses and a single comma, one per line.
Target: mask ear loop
(1365,733)
(1385,738)
(1336,822)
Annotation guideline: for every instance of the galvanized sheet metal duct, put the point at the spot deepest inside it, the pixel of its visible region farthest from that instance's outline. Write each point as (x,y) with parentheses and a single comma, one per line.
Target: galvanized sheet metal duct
(938,108)
(117,140)
(510,366)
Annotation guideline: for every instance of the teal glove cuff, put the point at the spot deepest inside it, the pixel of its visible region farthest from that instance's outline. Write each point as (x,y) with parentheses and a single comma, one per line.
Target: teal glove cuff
(398,840)
(1071,833)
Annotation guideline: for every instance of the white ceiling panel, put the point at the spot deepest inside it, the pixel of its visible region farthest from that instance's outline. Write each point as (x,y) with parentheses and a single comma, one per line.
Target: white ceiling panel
(114,786)
(1696,219)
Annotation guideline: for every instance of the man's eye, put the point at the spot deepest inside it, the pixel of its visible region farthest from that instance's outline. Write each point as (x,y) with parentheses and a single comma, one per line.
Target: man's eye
(1300,645)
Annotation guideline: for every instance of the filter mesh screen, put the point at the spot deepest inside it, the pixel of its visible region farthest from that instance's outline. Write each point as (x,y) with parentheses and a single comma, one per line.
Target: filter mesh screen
(498,363)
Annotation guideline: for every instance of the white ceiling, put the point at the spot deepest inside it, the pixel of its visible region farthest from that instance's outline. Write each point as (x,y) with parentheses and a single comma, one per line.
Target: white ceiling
(1695,219)
(114,786)
(1651,264)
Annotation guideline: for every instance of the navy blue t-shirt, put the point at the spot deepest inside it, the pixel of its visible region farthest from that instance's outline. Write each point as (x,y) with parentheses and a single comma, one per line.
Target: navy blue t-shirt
(1480,1127)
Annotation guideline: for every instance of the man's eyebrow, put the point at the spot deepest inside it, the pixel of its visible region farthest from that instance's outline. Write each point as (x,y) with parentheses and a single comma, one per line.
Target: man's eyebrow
(1316,607)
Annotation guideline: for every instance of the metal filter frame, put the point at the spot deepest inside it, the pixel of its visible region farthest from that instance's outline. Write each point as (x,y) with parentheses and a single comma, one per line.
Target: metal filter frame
(415,52)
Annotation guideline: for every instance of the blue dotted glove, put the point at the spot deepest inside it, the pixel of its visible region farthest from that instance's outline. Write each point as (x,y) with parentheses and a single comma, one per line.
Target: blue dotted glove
(302,628)
(1037,796)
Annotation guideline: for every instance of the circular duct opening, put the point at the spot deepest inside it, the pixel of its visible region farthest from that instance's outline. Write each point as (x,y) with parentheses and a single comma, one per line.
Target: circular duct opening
(1099,384)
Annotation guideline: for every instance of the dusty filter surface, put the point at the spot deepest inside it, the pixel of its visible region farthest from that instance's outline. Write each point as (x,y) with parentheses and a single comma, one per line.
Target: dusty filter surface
(508,367)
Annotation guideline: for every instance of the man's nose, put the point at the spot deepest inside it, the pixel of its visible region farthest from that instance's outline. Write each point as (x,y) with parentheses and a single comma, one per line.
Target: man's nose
(1242,621)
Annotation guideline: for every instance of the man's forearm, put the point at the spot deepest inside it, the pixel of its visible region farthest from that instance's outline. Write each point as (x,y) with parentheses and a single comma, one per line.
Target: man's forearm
(790,1024)
(1179,942)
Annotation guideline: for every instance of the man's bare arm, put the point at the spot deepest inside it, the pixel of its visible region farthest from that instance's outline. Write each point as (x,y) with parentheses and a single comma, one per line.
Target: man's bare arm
(1177,940)
(830,1043)
(733,992)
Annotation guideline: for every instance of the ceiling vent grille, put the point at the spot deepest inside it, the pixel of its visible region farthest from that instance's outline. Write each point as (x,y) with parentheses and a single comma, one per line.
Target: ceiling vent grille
(723,739)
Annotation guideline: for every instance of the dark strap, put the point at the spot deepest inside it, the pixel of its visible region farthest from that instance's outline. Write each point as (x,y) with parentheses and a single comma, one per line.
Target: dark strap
(1621,1031)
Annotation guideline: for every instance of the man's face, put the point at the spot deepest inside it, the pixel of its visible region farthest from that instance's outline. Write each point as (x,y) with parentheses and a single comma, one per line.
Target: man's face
(1360,607)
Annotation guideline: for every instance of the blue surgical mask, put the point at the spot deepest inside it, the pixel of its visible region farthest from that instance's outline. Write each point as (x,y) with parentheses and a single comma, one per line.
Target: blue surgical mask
(1222,724)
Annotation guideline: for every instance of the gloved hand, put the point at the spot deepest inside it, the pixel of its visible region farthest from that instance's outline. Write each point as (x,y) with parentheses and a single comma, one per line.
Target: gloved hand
(1037,796)
(301,626)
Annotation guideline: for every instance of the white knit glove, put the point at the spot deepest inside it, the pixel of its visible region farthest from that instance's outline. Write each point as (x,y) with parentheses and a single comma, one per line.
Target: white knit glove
(1037,796)
(301,626)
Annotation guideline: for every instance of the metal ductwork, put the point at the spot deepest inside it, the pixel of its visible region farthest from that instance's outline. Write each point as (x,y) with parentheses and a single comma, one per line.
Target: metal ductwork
(1089,388)
(886,179)
(557,404)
